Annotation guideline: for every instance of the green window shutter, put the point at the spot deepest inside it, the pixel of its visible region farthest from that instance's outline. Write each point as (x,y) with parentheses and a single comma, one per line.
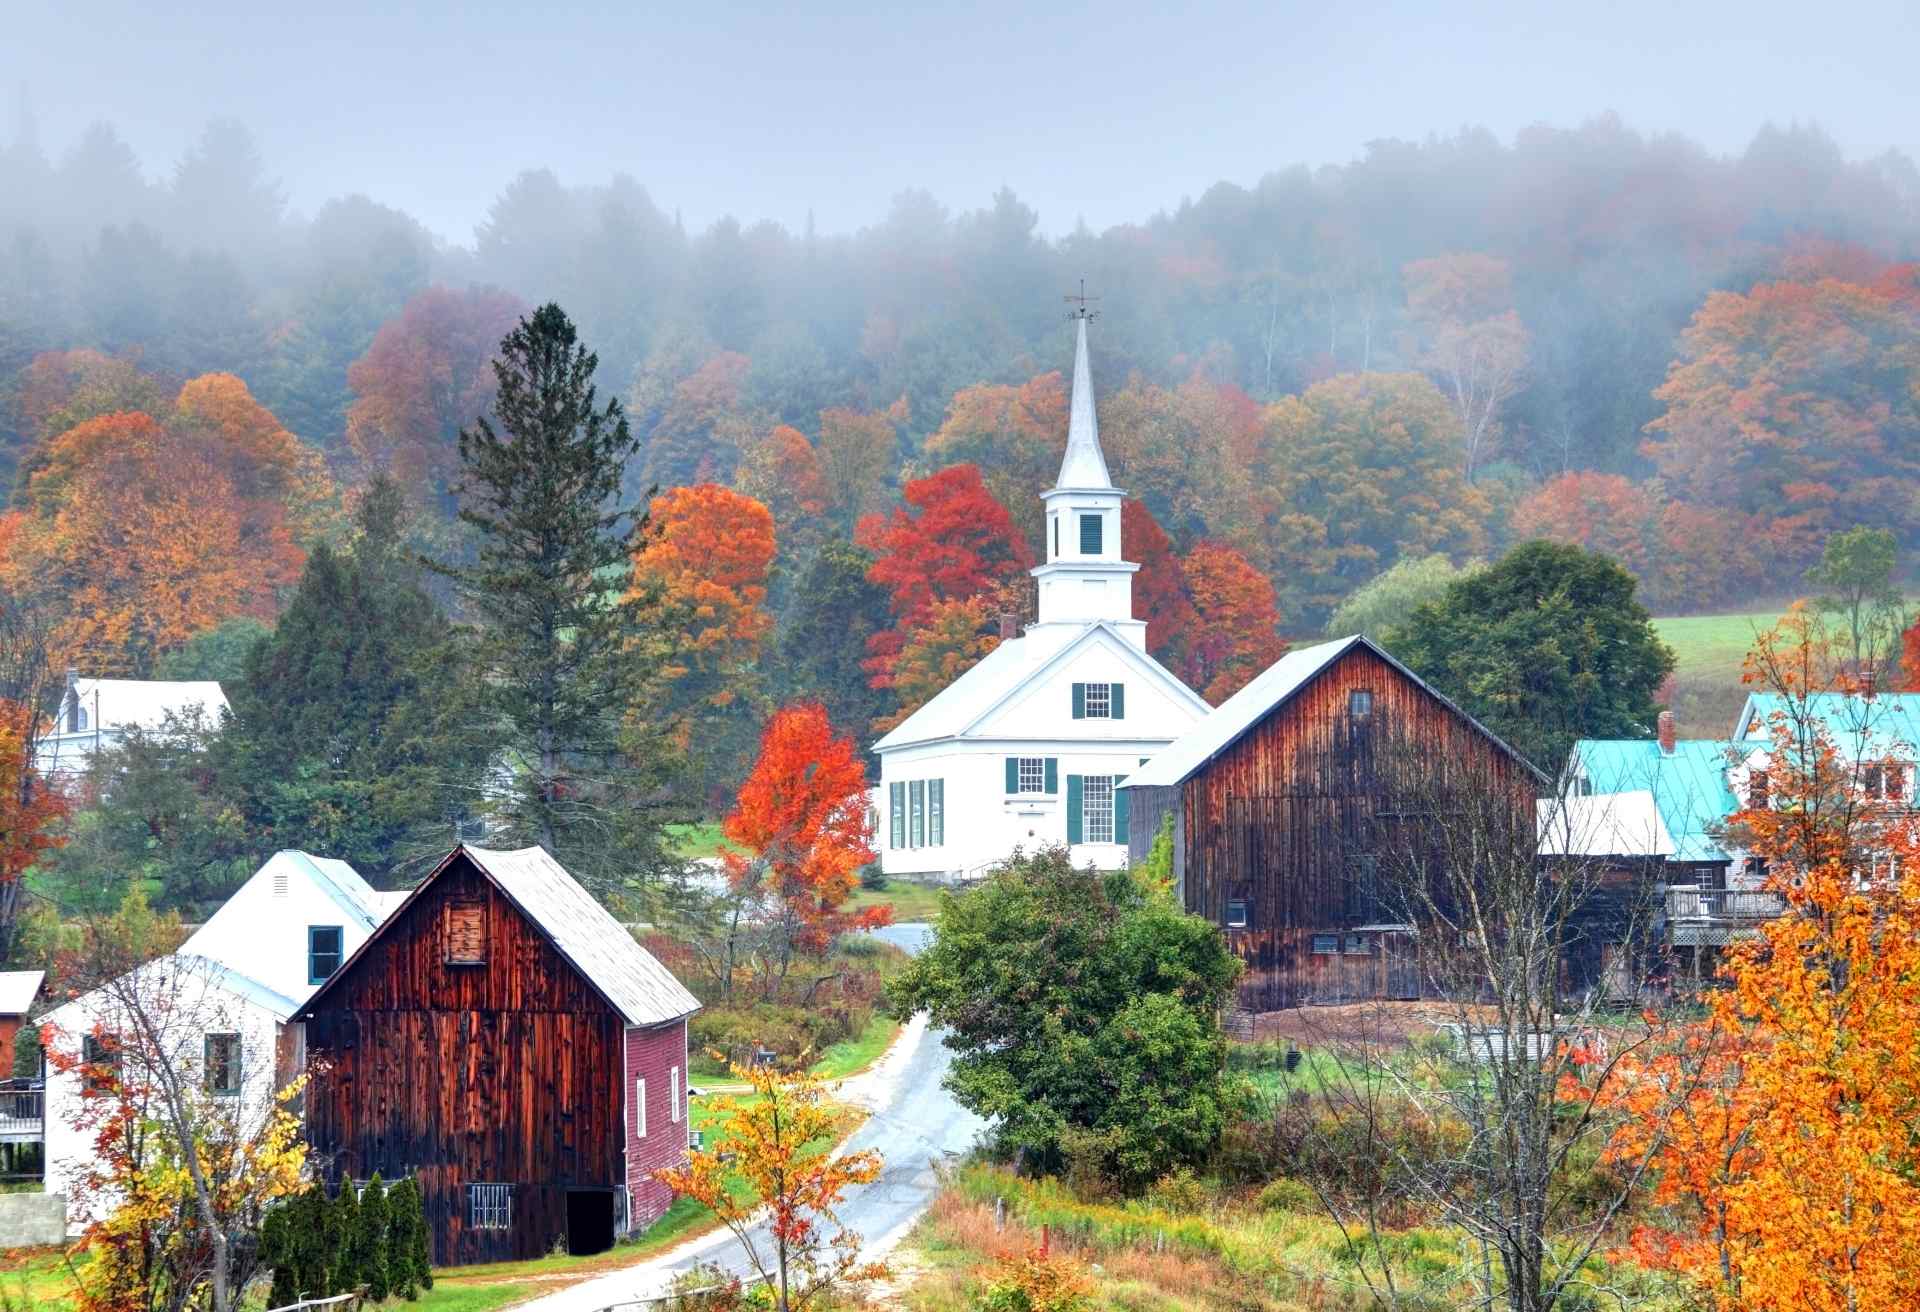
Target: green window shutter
(1013,774)
(1119,809)
(1079,701)
(936,812)
(1073,808)
(1053,774)
(897,814)
(1118,691)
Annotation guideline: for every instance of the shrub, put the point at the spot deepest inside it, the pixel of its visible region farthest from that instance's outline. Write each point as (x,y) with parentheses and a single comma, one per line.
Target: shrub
(871,877)
(1181,1191)
(1288,1195)
(1039,1282)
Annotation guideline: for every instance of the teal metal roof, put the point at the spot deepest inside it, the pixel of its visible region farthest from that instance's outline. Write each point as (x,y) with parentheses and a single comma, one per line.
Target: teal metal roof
(1689,787)
(1885,724)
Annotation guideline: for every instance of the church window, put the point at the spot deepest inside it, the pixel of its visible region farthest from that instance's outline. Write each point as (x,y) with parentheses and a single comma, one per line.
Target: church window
(1033,774)
(1099,701)
(1091,534)
(897,815)
(1096,808)
(917,811)
(936,812)
(1056,539)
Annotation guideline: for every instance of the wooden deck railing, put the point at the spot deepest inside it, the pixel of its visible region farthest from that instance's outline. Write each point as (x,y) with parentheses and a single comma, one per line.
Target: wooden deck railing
(1733,905)
(22,1109)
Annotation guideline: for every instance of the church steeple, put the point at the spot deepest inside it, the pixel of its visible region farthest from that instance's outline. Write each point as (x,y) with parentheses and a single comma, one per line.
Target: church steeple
(1084,580)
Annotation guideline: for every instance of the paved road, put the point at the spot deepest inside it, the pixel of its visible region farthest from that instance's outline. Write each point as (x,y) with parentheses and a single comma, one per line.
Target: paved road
(913,1124)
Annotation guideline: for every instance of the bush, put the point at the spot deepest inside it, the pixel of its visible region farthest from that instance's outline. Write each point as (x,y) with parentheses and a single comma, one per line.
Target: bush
(1181,1191)
(1288,1195)
(1039,1282)
(871,878)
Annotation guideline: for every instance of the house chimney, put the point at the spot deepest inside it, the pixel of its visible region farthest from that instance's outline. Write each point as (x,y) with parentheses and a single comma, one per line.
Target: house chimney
(1666,733)
(1009,626)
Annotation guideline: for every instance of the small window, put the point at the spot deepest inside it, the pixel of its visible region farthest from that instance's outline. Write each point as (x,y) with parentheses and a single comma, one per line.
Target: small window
(466,933)
(324,950)
(1359,946)
(490,1206)
(1092,534)
(640,1109)
(1239,913)
(222,1053)
(1326,945)
(673,1107)
(1056,539)
(102,1061)
(1099,701)
(1033,774)
(1360,703)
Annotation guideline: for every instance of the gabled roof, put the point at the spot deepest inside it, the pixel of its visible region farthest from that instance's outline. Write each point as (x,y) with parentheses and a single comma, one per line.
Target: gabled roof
(962,705)
(1604,824)
(345,886)
(1887,723)
(171,970)
(144,703)
(18,989)
(1084,466)
(1689,787)
(1271,689)
(632,981)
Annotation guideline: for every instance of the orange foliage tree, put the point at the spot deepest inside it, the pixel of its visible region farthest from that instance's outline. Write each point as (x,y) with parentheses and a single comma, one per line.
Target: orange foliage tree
(1015,435)
(1793,404)
(928,653)
(800,832)
(857,453)
(1788,1173)
(704,428)
(778,1141)
(427,372)
(1159,588)
(782,472)
(708,555)
(1239,623)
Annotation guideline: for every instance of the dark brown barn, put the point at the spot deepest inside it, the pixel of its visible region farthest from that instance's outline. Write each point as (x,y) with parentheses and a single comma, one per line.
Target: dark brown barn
(505,1042)
(1284,800)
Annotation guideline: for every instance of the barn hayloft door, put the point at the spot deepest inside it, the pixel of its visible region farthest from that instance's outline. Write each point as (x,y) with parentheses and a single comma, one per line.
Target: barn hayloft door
(1399,965)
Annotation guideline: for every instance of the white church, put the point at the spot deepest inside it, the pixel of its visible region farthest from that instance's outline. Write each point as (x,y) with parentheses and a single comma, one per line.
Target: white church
(1026,749)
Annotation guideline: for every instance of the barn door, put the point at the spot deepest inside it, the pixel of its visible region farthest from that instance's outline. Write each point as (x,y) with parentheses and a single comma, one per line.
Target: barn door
(1399,965)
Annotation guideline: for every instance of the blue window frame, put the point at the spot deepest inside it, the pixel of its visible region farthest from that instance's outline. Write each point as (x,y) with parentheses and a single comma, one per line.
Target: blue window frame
(325,947)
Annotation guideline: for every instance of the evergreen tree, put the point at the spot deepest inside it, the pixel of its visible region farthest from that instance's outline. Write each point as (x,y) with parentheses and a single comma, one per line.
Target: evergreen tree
(312,1243)
(566,653)
(369,1241)
(409,1265)
(277,1252)
(347,723)
(832,613)
(342,1240)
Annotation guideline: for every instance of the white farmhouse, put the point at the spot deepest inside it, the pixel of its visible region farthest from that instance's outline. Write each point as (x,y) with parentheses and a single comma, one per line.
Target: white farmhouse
(221,1006)
(1025,748)
(96,714)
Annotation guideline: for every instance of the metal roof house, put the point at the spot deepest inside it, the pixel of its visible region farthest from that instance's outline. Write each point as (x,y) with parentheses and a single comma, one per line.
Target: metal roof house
(97,714)
(508,1044)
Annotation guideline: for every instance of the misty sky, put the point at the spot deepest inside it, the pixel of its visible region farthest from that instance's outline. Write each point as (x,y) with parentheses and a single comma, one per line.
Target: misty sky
(1108,112)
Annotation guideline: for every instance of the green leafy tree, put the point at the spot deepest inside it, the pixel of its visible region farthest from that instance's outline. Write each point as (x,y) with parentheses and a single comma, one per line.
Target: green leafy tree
(563,649)
(1384,602)
(1856,575)
(1546,646)
(1084,1009)
(834,611)
(219,653)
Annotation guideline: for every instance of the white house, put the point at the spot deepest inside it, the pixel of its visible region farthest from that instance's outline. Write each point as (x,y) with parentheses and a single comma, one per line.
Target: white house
(96,714)
(222,1005)
(1025,748)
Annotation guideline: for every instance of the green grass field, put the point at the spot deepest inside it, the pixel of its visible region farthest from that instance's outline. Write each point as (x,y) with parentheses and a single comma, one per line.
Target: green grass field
(1710,650)
(698,840)
(911,902)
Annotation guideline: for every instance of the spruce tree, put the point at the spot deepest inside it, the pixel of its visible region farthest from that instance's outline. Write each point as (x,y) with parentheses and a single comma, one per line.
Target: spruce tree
(370,1240)
(312,1241)
(277,1252)
(565,653)
(344,1270)
(408,1264)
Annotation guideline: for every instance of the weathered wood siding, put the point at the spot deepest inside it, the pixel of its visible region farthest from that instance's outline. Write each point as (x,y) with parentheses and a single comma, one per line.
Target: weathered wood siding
(1294,819)
(505,1072)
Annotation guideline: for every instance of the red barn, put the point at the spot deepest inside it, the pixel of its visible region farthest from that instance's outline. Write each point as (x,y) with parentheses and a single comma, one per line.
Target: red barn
(504,1041)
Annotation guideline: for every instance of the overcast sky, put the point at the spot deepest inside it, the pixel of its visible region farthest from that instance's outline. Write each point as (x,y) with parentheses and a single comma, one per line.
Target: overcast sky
(1108,112)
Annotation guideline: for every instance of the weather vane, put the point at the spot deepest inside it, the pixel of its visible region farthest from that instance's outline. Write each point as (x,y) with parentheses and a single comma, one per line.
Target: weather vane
(1081,311)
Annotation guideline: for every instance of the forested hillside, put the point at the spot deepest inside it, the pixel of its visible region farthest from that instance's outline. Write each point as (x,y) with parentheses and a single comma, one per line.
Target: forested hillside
(1700,365)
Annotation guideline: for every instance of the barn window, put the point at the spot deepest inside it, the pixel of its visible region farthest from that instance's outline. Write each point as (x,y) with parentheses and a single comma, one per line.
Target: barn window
(1359,703)
(1092,532)
(1357,946)
(222,1064)
(324,944)
(466,933)
(490,1206)
(640,1109)
(673,1108)
(1239,913)
(1326,945)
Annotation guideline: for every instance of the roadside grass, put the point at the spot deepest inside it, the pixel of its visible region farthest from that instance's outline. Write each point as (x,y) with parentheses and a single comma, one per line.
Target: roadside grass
(1173,1256)
(850,1056)
(912,902)
(39,1278)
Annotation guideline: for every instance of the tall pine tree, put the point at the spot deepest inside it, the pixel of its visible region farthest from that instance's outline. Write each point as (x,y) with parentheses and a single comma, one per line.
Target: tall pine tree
(567,655)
